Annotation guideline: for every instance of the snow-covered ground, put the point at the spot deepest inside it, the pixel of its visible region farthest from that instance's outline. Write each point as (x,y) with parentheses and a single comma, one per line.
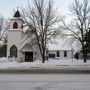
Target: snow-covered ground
(5,63)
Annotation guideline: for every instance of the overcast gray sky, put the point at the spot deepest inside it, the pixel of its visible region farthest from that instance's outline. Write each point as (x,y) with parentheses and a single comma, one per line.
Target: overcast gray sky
(8,6)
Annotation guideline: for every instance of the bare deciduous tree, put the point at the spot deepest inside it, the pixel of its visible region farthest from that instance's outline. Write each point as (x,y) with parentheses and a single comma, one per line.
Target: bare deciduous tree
(80,24)
(4,24)
(1,26)
(43,20)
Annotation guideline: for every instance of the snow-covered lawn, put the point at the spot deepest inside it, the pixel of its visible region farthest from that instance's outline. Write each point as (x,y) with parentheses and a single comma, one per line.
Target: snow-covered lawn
(5,63)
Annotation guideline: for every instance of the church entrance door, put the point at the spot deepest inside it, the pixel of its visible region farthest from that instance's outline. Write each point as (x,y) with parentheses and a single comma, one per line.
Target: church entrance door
(28,56)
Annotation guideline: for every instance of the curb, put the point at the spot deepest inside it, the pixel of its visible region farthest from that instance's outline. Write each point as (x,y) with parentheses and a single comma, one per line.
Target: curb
(45,71)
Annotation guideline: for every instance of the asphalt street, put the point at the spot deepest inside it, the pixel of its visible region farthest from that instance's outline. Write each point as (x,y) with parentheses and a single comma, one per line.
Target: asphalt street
(44,81)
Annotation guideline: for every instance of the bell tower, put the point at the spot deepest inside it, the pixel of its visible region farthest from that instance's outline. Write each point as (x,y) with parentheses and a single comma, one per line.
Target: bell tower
(16,23)
(15,36)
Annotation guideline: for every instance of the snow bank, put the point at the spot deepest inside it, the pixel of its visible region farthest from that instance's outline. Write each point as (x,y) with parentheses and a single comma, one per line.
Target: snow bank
(3,59)
(5,63)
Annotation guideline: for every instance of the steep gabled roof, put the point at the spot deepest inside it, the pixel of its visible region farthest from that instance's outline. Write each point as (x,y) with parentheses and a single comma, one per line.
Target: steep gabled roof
(17,14)
(59,44)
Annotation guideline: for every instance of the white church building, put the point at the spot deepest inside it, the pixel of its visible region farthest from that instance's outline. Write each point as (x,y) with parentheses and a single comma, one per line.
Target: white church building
(21,50)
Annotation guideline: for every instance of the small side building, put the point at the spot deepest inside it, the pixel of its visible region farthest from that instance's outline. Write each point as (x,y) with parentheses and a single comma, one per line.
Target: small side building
(60,49)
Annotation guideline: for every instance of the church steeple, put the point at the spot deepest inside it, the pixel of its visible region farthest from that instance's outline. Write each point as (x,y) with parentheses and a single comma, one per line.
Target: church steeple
(16,23)
(17,14)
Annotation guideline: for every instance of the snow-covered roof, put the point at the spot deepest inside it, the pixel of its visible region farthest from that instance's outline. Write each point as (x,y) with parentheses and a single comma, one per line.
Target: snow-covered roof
(24,42)
(27,48)
(59,44)
(65,44)
(25,28)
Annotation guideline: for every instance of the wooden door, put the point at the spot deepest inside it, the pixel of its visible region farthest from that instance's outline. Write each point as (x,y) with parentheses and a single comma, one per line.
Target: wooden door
(28,56)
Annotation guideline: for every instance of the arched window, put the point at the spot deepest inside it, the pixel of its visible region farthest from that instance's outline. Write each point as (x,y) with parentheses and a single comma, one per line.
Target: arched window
(15,25)
(13,51)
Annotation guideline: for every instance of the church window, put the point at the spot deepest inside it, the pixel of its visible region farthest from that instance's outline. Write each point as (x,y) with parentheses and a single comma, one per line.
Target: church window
(13,51)
(15,25)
